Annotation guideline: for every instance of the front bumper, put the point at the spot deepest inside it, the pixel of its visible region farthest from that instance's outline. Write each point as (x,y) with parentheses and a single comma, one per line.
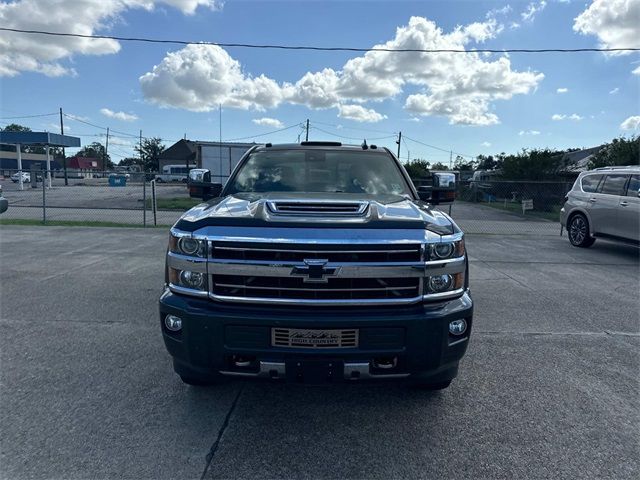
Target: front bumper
(213,334)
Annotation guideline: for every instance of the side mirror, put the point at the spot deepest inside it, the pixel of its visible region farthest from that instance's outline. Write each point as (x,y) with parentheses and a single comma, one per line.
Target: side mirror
(425,193)
(200,185)
(199,175)
(444,180)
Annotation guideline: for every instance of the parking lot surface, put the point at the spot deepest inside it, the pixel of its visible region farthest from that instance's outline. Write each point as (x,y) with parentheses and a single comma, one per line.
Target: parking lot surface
(549,386)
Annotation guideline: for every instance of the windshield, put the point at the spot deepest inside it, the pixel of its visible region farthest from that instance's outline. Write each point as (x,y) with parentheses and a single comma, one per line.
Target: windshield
(319,171)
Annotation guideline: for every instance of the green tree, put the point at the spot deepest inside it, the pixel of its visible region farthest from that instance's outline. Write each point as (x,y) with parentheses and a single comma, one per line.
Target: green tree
(98,151)
(128,161)
(489,162)
(620,151)
(535,164)
(149,152)
(463,165)
(439,166)
(417,168)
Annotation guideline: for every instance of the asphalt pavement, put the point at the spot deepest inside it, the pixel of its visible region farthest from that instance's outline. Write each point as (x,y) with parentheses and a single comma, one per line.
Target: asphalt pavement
(549,386)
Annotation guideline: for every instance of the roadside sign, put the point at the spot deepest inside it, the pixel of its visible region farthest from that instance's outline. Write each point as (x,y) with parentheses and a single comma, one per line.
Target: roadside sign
(527,205)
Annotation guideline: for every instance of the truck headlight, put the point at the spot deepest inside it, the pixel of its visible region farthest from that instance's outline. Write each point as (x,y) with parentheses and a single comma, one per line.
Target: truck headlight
(445,250)
(440,283)
(443,283)
(186,245)
(193,280)
(188,279)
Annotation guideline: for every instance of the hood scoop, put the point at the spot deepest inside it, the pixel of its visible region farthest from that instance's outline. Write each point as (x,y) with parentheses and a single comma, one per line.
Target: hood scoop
(320,208)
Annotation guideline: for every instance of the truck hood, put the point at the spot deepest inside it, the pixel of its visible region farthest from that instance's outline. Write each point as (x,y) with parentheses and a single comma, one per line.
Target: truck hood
(317,210)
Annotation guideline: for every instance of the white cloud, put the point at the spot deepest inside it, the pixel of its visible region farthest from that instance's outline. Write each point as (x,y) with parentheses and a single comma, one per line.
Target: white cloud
(614,91)
(200,77)
(631,123)
(499,11)
(122,116)
(359,114)
(528,132)
(529,14)
(562,90)
(636,71)
(573,116)
(36,53)
(616,23)
(268,122)
(461,88)
(486,144)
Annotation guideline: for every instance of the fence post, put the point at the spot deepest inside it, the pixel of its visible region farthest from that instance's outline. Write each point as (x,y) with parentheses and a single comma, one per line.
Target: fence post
(44,197)
(154,205)
(144,199)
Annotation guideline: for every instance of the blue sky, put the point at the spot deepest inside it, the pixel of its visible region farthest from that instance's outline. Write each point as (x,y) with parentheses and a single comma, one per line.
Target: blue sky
(366,99)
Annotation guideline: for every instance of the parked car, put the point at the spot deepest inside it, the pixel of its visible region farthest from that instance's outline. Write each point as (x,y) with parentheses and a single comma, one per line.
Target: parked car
(26,177)
(316,263)
(604,202)
(4,203)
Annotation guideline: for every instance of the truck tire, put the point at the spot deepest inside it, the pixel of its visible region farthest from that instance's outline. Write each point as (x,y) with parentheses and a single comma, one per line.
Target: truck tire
(578,231)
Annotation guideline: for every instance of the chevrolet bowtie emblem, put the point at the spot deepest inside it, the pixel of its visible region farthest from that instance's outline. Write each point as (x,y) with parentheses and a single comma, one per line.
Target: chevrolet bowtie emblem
(315,271)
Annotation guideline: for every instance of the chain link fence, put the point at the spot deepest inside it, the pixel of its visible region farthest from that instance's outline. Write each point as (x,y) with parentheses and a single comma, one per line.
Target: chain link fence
(96,198)
(510,207)
(153,199)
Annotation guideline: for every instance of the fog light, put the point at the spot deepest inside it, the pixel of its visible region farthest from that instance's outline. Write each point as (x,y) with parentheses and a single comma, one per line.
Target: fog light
(193,280)
(440,283)
(173,323)
(458,327)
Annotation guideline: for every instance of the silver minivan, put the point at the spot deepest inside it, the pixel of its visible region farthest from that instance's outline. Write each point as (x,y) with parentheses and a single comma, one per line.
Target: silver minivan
(604,202)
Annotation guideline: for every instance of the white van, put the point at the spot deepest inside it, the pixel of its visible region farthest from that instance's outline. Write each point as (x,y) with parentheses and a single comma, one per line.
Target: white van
(173,173)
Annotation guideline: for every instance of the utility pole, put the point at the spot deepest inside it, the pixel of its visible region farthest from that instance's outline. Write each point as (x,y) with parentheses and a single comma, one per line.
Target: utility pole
(220,143)
(398,142)
(450,159)
(64,153)
(106,152)
(140,152)
(306,138)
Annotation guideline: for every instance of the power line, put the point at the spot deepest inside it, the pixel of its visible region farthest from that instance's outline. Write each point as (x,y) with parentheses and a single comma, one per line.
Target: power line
(30,116)
(263,134)
(77,119)
(438,148)
(350,138)
(320,49)
(354,128)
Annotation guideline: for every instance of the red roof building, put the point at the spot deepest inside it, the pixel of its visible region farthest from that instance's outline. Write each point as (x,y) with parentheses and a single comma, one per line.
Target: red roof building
(84,163)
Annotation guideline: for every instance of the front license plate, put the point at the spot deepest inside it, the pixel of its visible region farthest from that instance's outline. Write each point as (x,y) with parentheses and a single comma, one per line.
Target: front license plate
(314,338)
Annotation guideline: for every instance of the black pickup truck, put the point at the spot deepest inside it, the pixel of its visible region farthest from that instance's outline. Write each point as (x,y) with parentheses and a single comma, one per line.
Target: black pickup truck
(316,263)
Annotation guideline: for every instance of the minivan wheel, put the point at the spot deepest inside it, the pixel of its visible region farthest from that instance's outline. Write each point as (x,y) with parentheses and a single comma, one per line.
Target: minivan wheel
(579,231)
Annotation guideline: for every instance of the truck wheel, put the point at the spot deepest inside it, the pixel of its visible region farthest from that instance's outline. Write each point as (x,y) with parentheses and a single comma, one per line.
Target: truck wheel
(578,232)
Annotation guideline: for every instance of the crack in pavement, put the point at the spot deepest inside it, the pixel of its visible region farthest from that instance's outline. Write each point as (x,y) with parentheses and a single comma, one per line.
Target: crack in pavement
(225,424)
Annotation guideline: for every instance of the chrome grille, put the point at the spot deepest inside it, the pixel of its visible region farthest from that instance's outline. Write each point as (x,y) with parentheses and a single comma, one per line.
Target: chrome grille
(332,253)
(306,338)
(315,274)
(334,288)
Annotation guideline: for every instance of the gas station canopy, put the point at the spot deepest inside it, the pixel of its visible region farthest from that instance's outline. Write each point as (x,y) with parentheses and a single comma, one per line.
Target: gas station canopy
(39,138)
